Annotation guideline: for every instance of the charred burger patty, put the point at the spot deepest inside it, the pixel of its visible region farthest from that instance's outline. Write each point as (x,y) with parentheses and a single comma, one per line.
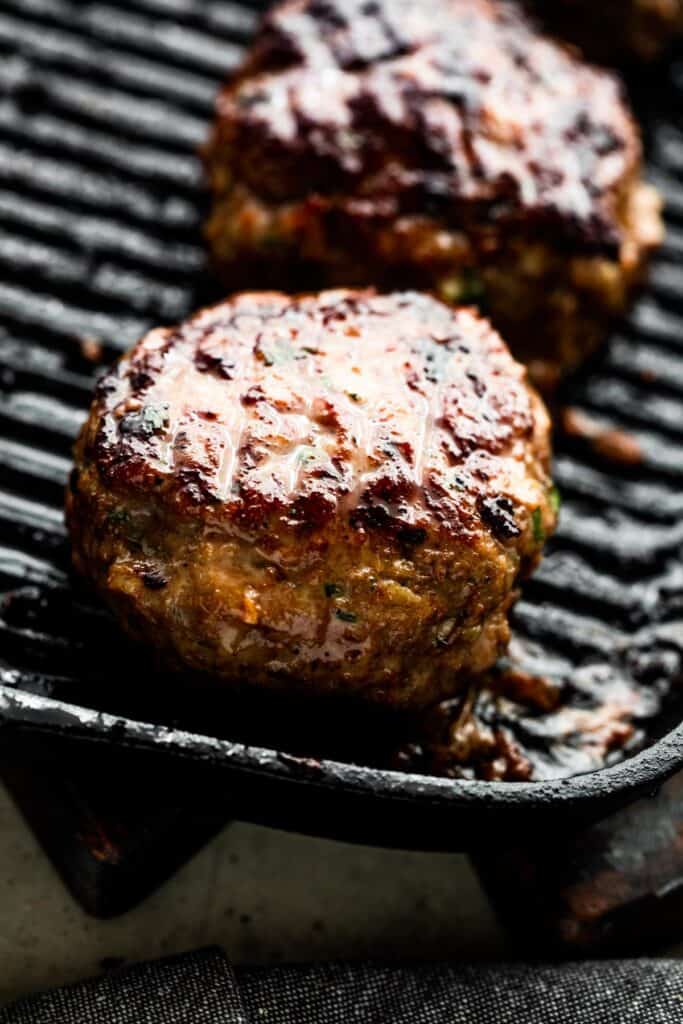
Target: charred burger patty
(445,145)
(328,493)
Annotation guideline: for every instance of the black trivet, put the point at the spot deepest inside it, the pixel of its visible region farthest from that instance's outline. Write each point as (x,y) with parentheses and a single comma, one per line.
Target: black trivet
(102,106)
(116,826)
(614,888)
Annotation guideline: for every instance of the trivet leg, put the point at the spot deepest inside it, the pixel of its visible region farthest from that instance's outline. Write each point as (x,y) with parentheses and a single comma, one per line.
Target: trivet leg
(614,887)
(114,826)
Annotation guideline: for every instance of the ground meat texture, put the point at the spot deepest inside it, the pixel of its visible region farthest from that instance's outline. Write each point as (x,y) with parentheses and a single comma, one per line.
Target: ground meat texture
(333,493)
(616,30)
(445,145)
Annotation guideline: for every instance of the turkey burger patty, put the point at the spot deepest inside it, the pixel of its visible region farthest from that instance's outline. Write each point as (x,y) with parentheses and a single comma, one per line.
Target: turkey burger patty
(445,145)
(327,493)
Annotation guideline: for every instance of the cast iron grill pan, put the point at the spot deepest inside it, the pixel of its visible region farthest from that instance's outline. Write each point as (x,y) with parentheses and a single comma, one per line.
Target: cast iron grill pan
(102,107)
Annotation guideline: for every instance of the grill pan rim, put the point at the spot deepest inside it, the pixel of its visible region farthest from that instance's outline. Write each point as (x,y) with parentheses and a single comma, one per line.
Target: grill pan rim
(590,795)
(455,802)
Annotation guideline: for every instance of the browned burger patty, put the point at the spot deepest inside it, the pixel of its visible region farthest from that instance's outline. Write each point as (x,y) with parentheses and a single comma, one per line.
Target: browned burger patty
(616,29)
(444,145)
(336,493)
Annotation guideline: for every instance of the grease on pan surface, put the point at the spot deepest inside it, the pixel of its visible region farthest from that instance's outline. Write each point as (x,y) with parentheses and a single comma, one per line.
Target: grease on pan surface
(445,145)
(103,105)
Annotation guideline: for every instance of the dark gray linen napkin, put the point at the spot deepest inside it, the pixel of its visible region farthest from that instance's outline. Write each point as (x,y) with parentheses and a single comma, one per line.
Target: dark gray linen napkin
(195,987)
(202,988)
(593,992)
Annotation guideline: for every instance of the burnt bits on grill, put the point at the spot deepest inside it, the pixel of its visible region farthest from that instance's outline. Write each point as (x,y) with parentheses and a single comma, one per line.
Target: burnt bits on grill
(616,29)
(329,493)
(445,145)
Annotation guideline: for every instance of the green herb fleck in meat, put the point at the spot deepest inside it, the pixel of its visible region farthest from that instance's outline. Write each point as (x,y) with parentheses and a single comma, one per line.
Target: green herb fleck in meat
(154,417)
(277,353)
(473,289)
(537,525)
(118,516)
(464,287)
(149,420)
(346,616)
(554,499)
(307,455)
(444,633)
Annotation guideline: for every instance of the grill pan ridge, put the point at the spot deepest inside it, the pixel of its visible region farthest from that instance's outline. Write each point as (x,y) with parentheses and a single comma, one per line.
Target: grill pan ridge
(102,107)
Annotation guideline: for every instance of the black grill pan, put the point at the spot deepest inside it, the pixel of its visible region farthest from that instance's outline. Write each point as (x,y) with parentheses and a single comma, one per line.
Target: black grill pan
(102,106)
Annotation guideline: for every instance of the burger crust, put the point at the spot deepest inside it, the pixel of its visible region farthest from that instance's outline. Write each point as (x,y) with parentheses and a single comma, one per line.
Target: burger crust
(333,493)
(446,145)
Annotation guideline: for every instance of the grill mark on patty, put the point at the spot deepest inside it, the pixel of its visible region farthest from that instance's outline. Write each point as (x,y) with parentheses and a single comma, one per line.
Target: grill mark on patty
(460,102)
(351,402)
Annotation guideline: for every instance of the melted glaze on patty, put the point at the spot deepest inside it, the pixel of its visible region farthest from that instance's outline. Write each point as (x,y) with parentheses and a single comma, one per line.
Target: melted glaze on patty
(458,107)
(333,493)
(393,410)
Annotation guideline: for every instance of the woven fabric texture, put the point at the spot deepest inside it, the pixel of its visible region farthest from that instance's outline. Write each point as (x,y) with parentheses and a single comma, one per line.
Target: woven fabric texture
(597,992)
(196,988)
(202,988)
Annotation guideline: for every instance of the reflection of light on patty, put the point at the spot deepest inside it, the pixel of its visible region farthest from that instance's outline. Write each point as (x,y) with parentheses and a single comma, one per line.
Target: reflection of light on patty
(445,145)
(336,491)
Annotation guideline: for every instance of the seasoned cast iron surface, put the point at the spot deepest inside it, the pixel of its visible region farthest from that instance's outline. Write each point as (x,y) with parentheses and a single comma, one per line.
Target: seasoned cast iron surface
(102,106)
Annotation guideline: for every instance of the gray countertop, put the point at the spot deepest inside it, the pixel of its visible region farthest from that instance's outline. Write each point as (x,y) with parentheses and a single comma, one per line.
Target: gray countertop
(261,894)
